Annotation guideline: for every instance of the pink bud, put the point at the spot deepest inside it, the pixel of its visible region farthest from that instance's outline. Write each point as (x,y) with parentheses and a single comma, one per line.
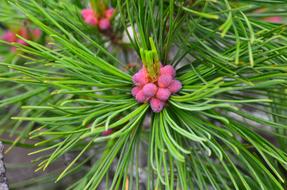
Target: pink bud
(87,12)
(109,13)
(37,33)
(163,94)
(175,86)
(149,89)
(156,104)
(164,81)
(168,70)
(9,36)
(104,24)
(20,41)
(274,19)
(24,33)
(140,78)
(140,97)
(91,20)
(107,132)
(89,17)
(135,90)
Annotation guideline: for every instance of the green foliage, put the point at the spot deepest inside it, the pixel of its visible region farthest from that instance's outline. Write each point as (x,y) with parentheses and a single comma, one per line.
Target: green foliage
(211,135)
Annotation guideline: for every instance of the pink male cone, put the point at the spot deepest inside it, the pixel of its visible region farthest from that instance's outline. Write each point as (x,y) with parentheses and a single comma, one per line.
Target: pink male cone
(149,90)
(87,12)
(164,81)
(9,37)
(20,41)
(135,90)
(175,86)
(91,20)
(140,78)
(89,17)
(156,105)
(24,33)
(140,97)
(163,94)
(109,13)
(104,24)
(37,33)
(107,132)
(167,70)
(274,19)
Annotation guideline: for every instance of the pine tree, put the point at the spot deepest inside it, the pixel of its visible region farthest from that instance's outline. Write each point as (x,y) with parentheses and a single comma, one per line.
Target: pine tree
(80,87)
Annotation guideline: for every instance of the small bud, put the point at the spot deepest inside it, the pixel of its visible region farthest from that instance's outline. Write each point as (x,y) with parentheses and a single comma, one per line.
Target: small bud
(140,78)
(87,12)
(91,20)
(89,17)
(107,132)
(9,36)
(109,13)
(140,97)
(37,34)
(156,105)
(20,41)
(104,24)
(149,89)
(274,19)
(164,81)
(163,94)
(24,33)
(175,86)
(167,70)
(135,90)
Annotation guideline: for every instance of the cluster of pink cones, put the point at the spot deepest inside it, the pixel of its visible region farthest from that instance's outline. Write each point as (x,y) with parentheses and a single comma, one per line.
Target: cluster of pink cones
(11,37)
(92,18)
(156,92)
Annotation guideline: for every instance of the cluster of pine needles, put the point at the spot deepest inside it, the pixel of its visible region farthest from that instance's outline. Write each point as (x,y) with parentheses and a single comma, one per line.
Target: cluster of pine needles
(225,129)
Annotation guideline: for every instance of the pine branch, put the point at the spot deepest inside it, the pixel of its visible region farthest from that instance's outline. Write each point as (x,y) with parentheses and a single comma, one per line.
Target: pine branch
(75,93)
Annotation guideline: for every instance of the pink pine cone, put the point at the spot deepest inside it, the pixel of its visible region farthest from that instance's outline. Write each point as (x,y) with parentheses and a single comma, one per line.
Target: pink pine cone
(149,90)
(164,81)
(163,94)
(135,90)
(109,13)
(107,132)
(274,19)
(140,78)
(168,70)
(104,24)
(37,33)
(87,12)
(89,17)
(9,36)
(91,20)
(175,86)
(24,33)
(156,105)
(140,97)
(20,41)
